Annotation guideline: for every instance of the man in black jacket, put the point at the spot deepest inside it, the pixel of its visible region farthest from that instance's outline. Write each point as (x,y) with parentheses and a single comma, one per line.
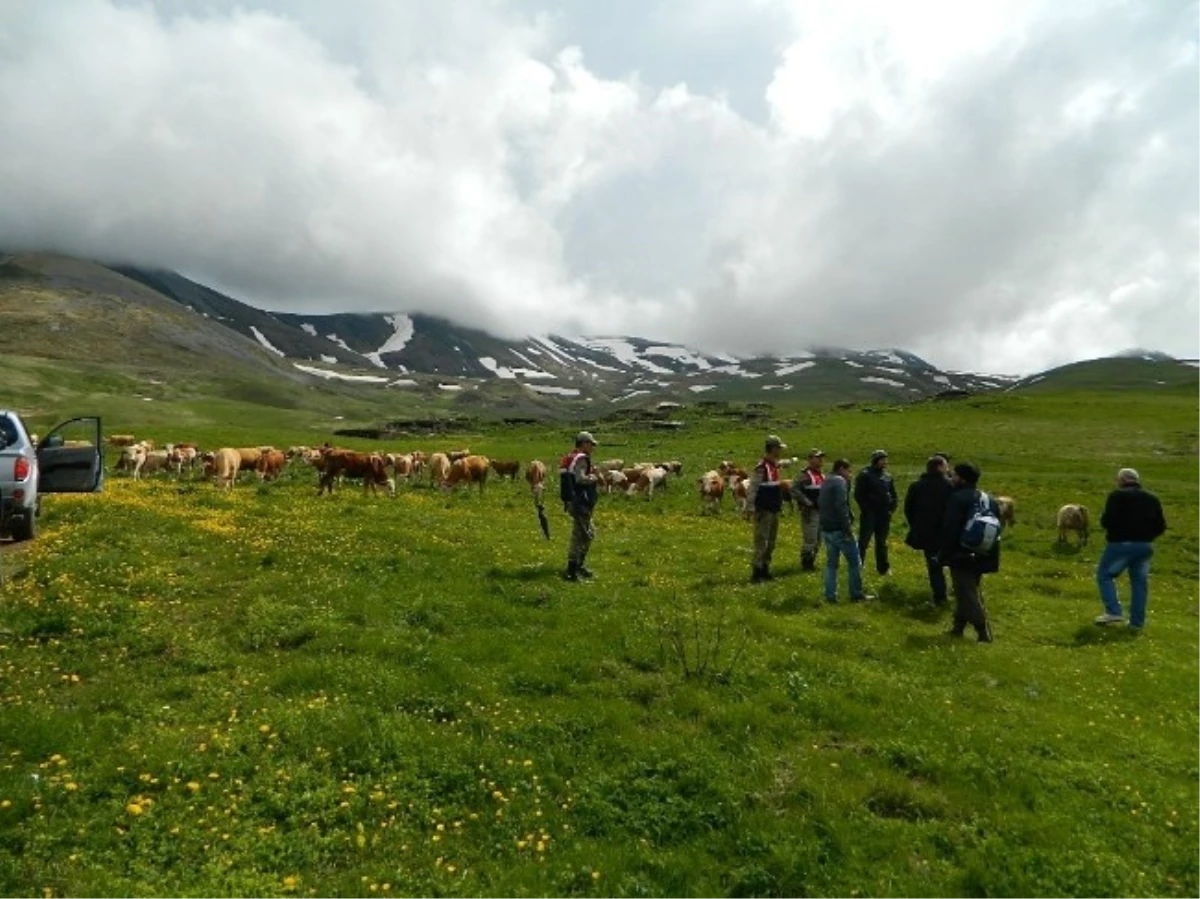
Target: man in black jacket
(924,509)
(875,493)
(1132,520)
(966,567)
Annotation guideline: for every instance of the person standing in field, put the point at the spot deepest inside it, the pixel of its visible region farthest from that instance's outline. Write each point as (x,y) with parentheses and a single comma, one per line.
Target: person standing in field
(924,509)
(967,567)
(764,497)
(577,489)
(806,489)
(1132,521)
(875,493)
(836,522)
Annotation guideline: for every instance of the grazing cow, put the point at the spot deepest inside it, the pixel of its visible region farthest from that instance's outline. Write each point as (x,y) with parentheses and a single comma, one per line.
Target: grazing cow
(223,466)
(738,486)
(506,469)
(611,465)
(1008,510)
(673,467)
(729,469)
(535,474)
(402,464)
(419,461)
(712,488)
(455,455)
(182,454)
(648,480)
(370,467)
(250,456)
(1072,517)
(270,465)
(613,480)
(122,440)
(296,452)
(469,470)
(439,468)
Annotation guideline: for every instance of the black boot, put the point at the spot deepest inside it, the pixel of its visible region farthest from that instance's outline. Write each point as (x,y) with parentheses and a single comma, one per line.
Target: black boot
(766,573)
(572,572)
(584,571)
(756,574)
(808,563)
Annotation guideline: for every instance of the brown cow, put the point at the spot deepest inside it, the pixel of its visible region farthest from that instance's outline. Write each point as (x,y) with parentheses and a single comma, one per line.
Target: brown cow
(455,455)
(371,467)
(1072,517)
(250,456)
(122,440)
(712,488)
(439,468)
(222,466)
(535,474)
(471,470)
(1008,510)
(506,469)
(270,465)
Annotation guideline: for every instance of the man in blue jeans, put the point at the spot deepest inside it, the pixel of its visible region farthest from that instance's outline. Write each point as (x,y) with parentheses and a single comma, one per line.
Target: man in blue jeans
(837,532)
(1132,520)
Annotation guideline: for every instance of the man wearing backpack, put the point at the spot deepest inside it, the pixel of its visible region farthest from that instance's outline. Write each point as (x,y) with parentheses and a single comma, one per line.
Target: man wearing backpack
(875,493)
(1132,520)
(577,490)
(764,495)
(924,509)
(971,516)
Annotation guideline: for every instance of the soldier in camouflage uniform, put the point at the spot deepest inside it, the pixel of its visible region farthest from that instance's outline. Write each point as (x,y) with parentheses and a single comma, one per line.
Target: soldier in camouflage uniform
(806,489)
(764,495)
(578,492)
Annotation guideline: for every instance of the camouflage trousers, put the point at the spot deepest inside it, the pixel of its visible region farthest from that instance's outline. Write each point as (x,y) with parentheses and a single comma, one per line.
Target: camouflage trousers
(810,533)
(766,527)
(582,533)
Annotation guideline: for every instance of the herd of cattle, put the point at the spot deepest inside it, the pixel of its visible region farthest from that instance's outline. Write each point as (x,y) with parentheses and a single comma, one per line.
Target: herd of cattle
(455,467)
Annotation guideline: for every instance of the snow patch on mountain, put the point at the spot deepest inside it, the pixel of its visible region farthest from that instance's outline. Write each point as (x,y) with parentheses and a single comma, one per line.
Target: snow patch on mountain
(308,329)
(266,344)
(735,370)
(332,360)
(402,333)
(555,391)
(888,381)
(792,369)
(338,376)
(625,352)
(680,354)
(700,388)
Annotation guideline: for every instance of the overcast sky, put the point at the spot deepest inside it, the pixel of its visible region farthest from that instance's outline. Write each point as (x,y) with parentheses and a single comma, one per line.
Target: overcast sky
(1000,186)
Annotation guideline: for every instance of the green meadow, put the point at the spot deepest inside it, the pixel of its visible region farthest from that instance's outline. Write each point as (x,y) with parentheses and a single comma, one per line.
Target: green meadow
(264,692)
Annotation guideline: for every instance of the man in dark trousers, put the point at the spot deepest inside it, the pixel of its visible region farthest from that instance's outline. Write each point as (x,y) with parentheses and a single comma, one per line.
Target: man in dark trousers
(924,509)
(806,488)
(579,495)
(764,495)
(966,567)
(875,493)
(1132,521)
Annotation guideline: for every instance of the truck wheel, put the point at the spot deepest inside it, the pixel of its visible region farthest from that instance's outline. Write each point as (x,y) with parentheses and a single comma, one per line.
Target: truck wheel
(24,527)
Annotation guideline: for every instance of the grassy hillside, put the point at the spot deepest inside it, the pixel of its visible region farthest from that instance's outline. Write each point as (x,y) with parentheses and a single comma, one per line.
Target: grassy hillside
(266,693)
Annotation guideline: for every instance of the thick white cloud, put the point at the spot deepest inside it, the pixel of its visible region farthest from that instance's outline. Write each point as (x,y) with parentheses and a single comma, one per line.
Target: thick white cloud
(1003,187)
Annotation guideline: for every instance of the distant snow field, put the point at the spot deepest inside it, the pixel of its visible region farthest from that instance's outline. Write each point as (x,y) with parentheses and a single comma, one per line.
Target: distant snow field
(556,391)
(332,360)
(792,369)
(402,333)
(450,386)
(267,345)
(337,375)
(888,381)
(700,388)
(309,329)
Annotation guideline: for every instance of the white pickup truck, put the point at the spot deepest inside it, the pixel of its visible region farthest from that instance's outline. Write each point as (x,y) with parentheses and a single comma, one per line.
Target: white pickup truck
(56,465)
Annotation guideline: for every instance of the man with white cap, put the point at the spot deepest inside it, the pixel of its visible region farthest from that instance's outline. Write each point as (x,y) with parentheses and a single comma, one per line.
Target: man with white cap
(577,489)
(1132,521)
(764,495)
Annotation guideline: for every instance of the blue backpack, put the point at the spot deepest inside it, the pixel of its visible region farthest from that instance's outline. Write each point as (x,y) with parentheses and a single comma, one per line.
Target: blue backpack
(982,531)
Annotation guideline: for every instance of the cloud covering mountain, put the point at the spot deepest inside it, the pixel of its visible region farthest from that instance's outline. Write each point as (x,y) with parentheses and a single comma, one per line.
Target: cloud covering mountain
(1000,188)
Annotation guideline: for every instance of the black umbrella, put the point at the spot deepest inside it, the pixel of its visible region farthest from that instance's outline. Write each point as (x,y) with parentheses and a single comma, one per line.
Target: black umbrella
(542,520)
